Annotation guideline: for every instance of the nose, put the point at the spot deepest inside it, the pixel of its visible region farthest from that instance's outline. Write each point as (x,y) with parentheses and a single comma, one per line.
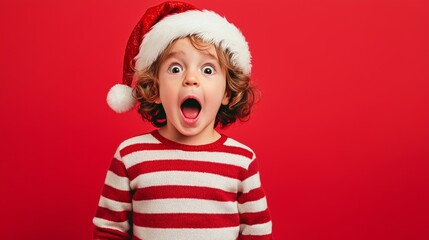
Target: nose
(191,79)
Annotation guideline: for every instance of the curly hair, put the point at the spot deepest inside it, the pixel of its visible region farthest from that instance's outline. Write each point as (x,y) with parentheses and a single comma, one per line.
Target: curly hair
(241,93)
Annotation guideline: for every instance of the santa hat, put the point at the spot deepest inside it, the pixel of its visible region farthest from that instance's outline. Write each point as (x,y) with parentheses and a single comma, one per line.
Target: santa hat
(160,26)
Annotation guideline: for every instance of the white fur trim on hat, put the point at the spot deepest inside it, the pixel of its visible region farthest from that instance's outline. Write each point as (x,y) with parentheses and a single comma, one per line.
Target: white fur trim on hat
(207,25)
(120,98)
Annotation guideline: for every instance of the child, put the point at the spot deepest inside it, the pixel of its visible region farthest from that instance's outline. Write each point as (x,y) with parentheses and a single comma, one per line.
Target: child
(184,181)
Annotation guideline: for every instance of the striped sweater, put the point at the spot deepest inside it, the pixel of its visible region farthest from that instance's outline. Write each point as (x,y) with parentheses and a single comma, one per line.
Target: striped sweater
(156,189)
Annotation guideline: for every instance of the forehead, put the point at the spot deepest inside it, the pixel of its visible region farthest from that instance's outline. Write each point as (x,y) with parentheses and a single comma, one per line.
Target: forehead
(192,43)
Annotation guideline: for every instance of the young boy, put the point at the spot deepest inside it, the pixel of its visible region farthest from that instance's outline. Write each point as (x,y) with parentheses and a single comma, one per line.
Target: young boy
(184,181)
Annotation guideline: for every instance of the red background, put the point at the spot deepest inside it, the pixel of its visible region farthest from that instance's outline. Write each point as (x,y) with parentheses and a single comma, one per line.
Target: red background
(341,132)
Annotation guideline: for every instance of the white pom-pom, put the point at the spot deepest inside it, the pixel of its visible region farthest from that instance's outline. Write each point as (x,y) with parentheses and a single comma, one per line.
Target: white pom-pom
(120,98)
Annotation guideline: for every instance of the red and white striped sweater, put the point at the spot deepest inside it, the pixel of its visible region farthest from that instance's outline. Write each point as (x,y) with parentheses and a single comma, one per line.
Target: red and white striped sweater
(157,189)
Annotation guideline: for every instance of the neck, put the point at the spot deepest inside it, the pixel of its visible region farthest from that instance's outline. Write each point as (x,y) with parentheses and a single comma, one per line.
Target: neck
(206,137)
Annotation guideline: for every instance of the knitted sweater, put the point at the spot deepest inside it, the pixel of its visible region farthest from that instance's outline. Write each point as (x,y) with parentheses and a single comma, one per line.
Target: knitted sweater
(156,189)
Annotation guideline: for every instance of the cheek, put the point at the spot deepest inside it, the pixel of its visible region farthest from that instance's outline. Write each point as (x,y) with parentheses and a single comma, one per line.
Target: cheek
(217,93)
(167,93)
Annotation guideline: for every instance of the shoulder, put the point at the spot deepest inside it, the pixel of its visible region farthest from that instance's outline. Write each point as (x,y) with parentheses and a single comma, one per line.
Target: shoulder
(241,148)
(146,138)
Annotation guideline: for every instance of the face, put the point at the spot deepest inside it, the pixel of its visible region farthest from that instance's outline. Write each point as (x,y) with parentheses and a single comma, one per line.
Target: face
(192,87)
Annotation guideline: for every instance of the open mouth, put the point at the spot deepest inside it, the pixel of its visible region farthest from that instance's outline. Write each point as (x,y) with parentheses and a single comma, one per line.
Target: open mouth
(190,108)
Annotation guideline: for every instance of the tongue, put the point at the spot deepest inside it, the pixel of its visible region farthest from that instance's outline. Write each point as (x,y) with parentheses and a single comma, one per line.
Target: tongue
(190,112)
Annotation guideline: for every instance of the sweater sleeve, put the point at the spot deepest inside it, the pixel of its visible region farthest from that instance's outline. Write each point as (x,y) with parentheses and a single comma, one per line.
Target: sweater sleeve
(255,220)
(113,216)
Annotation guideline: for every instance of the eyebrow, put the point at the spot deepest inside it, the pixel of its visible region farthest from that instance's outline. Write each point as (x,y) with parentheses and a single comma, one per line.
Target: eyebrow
(175,53)
(207,53)
(180,52)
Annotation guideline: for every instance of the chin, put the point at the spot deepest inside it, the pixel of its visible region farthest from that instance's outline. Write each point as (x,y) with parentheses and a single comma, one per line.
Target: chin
(190,132)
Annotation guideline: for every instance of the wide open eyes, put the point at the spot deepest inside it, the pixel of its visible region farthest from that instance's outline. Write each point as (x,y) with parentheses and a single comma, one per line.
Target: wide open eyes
(175,68)
(208,70)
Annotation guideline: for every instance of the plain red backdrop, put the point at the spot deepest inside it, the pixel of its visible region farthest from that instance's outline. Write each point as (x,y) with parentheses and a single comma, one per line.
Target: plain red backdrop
(341,132)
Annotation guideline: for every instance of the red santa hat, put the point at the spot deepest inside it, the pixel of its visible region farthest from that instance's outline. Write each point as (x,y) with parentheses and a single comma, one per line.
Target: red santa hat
(160,26)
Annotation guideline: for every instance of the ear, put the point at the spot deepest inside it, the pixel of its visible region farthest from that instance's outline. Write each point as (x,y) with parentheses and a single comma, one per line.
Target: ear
(225,99)
(155,83)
